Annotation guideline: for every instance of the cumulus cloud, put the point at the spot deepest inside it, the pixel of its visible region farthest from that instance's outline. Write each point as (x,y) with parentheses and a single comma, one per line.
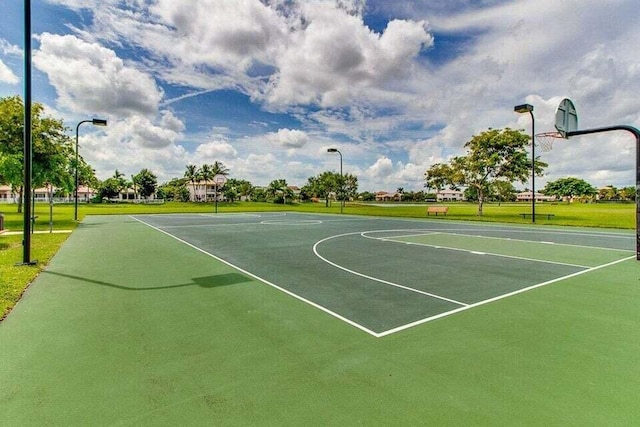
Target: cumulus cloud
(89,77)
(214,150)
(228,34)
(6,75)
(381,168)
(333,57)
(289,138)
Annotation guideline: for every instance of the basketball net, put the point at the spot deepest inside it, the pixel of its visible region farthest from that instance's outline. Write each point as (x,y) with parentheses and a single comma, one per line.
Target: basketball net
(545,140)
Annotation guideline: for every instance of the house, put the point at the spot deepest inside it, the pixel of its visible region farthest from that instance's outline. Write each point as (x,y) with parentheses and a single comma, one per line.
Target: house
(43,194)
(205,191)
(525,196)
(7,196)
(295,191)
(450,196)
(383,196)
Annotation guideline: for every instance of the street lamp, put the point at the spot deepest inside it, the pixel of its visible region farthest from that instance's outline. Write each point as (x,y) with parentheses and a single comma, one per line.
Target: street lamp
(528,108)
(335,150)
(95,122)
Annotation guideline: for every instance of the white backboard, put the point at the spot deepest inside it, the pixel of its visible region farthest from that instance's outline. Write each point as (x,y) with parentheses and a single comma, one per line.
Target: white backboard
(566,117)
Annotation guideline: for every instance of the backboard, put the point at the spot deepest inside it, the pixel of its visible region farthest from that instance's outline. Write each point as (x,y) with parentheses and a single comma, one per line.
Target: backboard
(566,117)
(220,180)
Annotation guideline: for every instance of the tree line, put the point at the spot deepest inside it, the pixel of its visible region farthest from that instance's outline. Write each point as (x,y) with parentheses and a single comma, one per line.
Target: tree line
(497,158)
(494,160)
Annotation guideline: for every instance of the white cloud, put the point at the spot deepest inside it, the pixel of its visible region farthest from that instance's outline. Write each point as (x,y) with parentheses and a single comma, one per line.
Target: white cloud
(214,150)
(90,78)
(333,57)
(289,138)
(6,75)
(381,168)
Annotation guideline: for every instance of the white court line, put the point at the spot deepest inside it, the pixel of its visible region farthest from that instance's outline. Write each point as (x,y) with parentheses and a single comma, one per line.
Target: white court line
(266,282)
(490,300)
(392,240)
(234,224)
(232,214)
(457,232)
(542,242)
(513,228)
(375,279)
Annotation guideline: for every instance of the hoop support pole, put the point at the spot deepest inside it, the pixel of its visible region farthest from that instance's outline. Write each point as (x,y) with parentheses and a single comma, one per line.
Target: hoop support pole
(636,133)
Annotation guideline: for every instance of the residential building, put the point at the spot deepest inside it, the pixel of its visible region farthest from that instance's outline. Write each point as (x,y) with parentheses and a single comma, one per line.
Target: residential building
(525,196)
(450,196)
(204,191)
(383,196)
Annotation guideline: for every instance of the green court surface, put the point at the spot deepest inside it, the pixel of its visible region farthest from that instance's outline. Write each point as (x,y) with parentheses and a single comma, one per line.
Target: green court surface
(290,319)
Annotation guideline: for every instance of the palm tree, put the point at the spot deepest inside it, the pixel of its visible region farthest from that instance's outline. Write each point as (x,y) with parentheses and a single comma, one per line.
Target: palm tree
(219,168)
(192,175)
(206,173)
(279,186)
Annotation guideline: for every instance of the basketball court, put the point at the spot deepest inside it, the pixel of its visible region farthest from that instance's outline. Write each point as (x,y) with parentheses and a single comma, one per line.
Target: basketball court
(384,275)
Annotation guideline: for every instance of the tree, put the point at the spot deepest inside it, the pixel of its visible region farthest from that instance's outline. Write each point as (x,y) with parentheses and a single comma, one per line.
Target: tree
(279,191)
(109,188)
(206,172)
(192,175)
(367,196)
(568,188)
(230,194)
(53,155)
(503,191)
(176,189)
(322,185)
(218,168)
(236,187)
(350,186)
(492,155)
(628,193)
(608,193)
(146,182)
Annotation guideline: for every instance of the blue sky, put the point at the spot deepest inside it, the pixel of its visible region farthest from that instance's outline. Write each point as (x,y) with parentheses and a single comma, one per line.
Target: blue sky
(267,86)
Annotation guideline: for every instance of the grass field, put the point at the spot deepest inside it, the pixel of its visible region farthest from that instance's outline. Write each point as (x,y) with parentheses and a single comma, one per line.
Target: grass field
(128,326)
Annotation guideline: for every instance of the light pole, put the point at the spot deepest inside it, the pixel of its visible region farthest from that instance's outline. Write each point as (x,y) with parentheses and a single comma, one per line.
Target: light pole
(95,122)
(528,108)
(335,150)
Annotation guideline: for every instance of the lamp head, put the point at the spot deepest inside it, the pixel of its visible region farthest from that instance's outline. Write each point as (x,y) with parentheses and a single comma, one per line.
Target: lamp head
(332,150)
(99,122)
(524,108)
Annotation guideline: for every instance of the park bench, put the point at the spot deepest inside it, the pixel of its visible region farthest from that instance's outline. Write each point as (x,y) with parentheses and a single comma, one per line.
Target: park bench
(525,215)
(437,209)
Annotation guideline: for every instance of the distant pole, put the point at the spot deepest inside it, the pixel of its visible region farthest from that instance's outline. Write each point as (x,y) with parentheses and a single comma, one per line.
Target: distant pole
(528,108)
(95,122)
(335,150)
(26,187)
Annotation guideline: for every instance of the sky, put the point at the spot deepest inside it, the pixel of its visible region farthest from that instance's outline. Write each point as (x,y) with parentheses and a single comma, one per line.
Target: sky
(266,87)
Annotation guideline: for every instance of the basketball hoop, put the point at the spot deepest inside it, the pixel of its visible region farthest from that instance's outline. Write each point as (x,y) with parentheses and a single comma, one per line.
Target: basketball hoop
(545,140)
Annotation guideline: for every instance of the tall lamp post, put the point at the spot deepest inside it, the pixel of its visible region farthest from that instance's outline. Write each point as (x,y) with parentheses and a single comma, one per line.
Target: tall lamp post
(528,108)
(335,150)
(95,122)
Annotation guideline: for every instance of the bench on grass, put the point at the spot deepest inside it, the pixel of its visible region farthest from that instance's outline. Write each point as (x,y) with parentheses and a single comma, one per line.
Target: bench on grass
(525,215)
(437,209)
